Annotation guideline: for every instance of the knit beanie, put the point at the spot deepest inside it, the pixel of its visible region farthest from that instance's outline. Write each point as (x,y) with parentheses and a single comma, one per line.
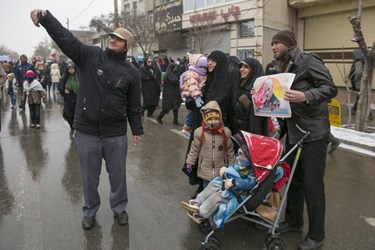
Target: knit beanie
(30,73)
(202,62)
(285,37)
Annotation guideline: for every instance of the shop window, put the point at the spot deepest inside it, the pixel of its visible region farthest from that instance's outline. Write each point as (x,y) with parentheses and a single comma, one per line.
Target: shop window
(246,29)
(242,54)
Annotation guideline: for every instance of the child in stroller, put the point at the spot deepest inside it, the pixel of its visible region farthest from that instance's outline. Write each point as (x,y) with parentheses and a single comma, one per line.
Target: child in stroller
(219,198)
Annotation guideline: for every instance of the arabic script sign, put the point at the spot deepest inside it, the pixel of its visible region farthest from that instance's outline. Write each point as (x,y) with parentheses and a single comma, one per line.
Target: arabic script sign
(168,16)
(211,15)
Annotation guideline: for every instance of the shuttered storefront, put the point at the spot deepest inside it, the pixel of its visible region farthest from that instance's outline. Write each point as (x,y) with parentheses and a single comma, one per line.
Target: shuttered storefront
(329,36)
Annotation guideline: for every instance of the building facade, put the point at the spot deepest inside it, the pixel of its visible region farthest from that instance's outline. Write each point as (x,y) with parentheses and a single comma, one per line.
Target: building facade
(244,28)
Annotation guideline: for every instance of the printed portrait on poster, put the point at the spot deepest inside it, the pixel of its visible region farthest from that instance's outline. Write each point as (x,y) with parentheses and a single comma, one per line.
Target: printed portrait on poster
(269,98)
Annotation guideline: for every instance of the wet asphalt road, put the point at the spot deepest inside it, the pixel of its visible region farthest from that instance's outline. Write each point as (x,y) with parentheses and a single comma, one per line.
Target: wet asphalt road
(41,197)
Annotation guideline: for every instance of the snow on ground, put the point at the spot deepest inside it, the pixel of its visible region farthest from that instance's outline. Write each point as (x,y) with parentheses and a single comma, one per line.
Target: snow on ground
(357,138)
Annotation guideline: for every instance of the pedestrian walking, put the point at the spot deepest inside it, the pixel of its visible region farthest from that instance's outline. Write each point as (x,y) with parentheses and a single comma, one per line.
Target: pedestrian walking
(33,94)
(2,78)
(55,77)
(69,91)
(11,89)
(20,74)
(171,94)
(311,89)
(149,88)
(109,96)
(47,78)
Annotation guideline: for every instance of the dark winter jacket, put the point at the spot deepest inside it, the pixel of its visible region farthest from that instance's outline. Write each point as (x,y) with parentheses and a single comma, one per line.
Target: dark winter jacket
(312,78)
(243,117)
(21,70)
(149,87)
(171,89)
(109,90)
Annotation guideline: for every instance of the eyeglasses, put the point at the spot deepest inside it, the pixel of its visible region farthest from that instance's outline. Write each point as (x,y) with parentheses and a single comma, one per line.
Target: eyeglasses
(149,61)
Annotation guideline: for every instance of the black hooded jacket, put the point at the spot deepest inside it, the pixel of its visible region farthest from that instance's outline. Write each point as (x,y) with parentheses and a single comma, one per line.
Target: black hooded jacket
(243,117)
(109,90)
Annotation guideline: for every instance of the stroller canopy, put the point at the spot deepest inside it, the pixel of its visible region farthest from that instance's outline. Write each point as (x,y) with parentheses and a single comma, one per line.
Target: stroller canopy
(264,152)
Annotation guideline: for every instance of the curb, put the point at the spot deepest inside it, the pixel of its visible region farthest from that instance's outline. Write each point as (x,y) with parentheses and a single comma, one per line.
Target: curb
(355,140)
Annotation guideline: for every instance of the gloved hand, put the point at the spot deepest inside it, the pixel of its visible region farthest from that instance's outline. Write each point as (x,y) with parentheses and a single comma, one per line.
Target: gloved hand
(228,183)
(198,101)
(189,168)
(44,100)
(222,171)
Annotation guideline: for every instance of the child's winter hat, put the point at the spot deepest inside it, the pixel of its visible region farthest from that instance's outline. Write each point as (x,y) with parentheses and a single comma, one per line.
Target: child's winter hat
(242,159)
(10,75)
(71,64)
(202,62)
(211,113)
(30,73)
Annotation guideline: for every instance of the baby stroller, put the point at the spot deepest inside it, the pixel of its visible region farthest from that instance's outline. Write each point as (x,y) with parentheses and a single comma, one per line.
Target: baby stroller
(264,154)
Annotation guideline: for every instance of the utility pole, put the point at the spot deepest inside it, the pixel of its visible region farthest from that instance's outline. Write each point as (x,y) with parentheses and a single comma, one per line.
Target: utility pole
(67,23)
(116,20)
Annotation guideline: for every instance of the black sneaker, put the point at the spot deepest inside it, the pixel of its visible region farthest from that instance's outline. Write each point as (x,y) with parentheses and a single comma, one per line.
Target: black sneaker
(309,244)
(159,120)
(88,222)
(122,218)
(285,227)
(334,146)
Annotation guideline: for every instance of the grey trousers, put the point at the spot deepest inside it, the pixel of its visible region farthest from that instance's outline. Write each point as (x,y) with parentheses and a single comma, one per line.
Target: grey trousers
(210,200)
(91,150)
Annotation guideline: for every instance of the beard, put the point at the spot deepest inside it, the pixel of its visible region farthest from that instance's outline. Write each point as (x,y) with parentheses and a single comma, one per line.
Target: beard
(282,56)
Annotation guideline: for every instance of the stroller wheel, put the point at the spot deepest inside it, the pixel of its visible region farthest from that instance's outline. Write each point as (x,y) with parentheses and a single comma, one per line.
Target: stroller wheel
(274,243)
(205,227)
(210,246)
(213,239)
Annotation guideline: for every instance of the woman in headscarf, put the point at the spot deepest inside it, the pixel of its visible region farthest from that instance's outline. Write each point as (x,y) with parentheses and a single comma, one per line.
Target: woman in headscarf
(243,117)
(171,94)
(218,87)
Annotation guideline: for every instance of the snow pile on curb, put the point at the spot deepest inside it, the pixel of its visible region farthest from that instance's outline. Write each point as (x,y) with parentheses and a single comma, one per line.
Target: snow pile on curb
(367,139)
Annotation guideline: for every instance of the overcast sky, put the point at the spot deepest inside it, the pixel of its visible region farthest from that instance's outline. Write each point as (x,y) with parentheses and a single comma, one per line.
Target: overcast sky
(19,34)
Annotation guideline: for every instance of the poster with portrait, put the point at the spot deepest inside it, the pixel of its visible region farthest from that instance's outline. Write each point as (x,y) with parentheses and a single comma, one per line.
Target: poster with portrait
(269,98)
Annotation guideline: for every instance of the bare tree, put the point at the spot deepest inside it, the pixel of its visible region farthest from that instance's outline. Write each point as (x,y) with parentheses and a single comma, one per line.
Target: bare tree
(364,103)
(43,49)
(202,31)
(142,28)
(5,51)
(104,23)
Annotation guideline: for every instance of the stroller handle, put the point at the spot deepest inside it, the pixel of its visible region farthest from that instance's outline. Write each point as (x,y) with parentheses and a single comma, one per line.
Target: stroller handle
(304,132)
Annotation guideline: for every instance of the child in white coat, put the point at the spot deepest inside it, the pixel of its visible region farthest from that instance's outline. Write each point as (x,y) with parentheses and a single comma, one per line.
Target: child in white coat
(33,93)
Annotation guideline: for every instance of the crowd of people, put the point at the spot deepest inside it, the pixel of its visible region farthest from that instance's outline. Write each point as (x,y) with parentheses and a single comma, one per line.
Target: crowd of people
(216,89)
(30,82)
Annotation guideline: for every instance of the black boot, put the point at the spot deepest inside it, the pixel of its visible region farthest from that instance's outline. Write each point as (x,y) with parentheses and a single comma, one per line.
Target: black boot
(158,119)
(175,118)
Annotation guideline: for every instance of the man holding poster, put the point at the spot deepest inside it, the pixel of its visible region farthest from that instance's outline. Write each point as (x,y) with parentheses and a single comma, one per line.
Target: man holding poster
(312,87)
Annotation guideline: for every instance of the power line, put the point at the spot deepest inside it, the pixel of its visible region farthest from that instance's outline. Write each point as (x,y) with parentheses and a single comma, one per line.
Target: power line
(83,10)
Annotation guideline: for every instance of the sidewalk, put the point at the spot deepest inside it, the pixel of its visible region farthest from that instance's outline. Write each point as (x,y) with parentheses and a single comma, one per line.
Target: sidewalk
(363,143)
